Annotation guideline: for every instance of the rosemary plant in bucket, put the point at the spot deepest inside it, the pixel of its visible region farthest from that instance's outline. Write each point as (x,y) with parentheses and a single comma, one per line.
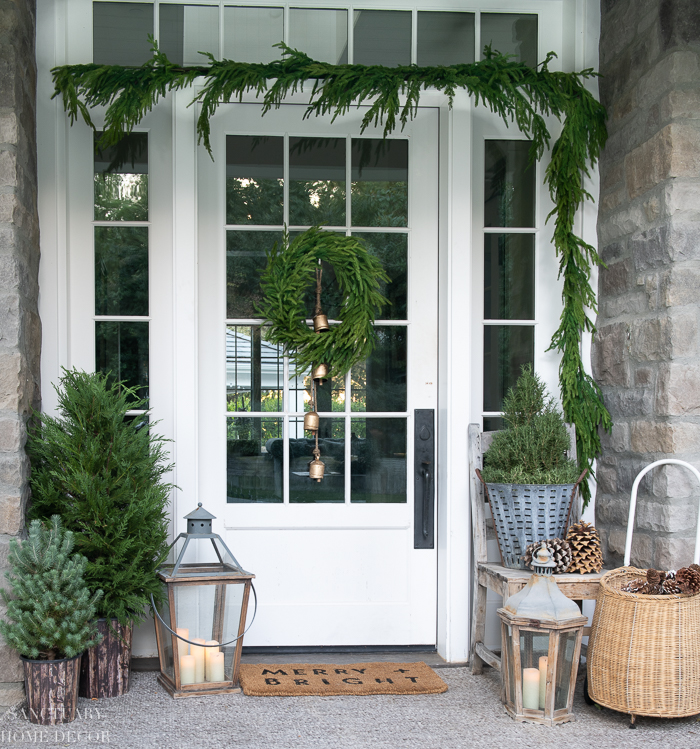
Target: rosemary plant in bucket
(530,480)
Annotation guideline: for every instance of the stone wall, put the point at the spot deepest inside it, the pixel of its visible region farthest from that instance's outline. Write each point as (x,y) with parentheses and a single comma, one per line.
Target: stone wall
(20,329)
(646,353)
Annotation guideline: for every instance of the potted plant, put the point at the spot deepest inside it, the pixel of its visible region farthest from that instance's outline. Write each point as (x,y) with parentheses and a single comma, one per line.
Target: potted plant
(102,471)
(49,618)
(530,481)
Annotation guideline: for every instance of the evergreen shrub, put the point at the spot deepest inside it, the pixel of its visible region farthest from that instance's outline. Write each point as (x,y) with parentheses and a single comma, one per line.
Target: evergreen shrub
(532,448)
(50,611)
(102,472)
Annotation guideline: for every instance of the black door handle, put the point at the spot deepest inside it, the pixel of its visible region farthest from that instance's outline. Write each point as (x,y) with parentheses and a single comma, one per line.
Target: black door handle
(423,482)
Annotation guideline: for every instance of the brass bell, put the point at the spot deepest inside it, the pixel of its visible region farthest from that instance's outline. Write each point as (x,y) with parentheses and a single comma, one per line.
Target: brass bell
(320,373)
(311,421)
(316,469)
(321,323)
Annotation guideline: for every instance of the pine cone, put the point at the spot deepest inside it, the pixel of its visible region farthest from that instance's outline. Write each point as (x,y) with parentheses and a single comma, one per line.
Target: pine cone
(558,548)
(654,577)
(688,579)
(587,555)
(635,586)
(669,585)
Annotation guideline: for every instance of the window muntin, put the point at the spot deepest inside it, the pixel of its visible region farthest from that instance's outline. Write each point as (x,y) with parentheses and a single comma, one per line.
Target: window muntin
(188,30)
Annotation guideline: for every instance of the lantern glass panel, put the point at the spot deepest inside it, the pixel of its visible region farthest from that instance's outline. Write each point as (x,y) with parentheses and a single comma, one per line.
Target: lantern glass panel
(200,558)
(166,638)
(508,640)
(533,646)
(565,662)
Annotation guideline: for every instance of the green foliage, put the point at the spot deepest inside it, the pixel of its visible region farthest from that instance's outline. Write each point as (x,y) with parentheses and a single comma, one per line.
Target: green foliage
(102,472)
(531,449)
(50,613)
(291,268)
(512,90)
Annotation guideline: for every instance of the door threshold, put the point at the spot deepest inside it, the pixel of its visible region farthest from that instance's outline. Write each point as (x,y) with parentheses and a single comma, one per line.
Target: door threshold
(347,654)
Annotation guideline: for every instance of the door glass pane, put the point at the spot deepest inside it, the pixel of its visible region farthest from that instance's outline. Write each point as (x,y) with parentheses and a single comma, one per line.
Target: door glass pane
(120,33)
(254,370)
(254,179)
(249,33)
(509,276)
(121,179)
(379,384)
(506,349)
(511,34)
(509,187)
(382,37)
(321,33)
(121,349)
(245,261)
(378,460)
(187,30)
(445,38)
(317,181)
(330,395)
(121,270)
(254,459)
(379,182)
(392,250)
(331,443)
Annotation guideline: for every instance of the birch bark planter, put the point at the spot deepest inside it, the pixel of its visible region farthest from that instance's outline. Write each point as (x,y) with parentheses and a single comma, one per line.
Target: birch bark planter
(106,668)
(52,690)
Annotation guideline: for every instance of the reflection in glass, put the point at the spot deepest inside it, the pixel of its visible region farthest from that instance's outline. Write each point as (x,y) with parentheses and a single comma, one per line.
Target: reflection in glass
(382,37)
(331,443)
(317,181)
(166,639)
(379,182)
(509,189)
(392,250)
(187,30)
(121,349)
(565,657)
(254,179)
(330,396)
(121,179)
(321,33)
(506,349)
(378,460)
(533,646)
(121,270)
(120,33)
(254,370)
(379,384)
(245,261)
(511,34)
(445,38)
(493,423)
(254,458)
(509,276)
(250,33)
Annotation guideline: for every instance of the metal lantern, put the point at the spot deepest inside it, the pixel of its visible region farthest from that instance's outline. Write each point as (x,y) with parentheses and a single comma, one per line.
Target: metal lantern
(200,625)
(541,643)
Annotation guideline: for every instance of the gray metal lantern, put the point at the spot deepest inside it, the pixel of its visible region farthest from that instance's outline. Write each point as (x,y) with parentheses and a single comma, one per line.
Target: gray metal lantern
(200,625)
(541,633)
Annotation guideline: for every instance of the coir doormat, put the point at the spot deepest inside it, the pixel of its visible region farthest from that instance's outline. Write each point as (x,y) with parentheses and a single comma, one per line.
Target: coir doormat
(303,679)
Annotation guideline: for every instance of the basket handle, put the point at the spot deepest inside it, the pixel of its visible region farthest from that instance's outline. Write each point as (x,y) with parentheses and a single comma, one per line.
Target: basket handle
(633,505)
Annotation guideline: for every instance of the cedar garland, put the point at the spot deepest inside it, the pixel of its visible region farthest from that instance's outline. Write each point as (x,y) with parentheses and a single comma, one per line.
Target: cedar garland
(512,90)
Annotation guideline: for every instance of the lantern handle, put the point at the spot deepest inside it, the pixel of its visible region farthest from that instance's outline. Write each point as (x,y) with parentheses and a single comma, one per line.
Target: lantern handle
(218,644)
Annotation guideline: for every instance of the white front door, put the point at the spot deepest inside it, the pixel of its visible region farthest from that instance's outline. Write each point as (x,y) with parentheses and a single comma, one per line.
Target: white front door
(335,562)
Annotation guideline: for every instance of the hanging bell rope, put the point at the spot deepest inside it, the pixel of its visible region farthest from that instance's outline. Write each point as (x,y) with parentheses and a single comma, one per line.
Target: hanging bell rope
(311,419)
(320,319)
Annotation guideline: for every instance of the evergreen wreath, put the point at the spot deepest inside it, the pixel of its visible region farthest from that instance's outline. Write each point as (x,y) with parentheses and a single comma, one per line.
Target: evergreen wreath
(290,269)
(512,90)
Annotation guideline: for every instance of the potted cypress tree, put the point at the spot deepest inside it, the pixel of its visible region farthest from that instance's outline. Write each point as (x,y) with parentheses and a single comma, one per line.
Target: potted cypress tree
(49,619)
(530,482)
(103,472)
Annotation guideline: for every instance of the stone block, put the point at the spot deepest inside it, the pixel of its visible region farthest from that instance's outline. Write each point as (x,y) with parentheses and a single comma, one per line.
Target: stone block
(10,318)
(11,381)
(612,251)
(8,128)
(642,546)
(679,23)
(621,223)
(672,552)
(11,513)
(627,304)
(678,390)
(12,435)
(681,103)
(650,249)
(674,481)
(686,437)
(627,471)
(609,355)
(616,278)
(11,693)
(665,517)
(8,169)
(680,287)
(651,437)
(630,402)
(611,200)
(679,67)
(649,339)
(7,207)
(11,669)
(14,469)
(612,510)
(619,438)
(606,479)
(612,174)
(643,377)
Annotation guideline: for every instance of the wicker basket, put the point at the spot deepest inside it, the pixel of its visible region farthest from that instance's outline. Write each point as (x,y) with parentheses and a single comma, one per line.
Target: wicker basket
(525,513)
(644,651)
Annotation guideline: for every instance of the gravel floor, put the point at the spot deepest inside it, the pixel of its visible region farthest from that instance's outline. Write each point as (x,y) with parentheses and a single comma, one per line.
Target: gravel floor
(469,714)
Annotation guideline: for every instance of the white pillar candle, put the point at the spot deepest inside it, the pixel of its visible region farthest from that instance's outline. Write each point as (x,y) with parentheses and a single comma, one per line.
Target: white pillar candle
(531,688)
(183,647)
(543,679)
(208,653)
(215,667)
(187,668)
(198,653)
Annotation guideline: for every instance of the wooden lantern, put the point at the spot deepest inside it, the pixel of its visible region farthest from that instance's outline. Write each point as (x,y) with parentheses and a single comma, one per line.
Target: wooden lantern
(200,625)
(541,633)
